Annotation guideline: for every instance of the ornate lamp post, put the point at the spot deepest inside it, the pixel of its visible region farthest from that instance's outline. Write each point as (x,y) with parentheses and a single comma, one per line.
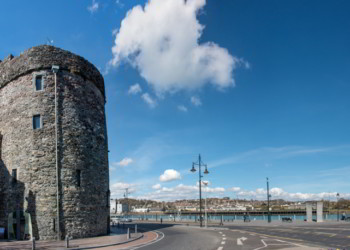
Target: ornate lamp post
(200,164)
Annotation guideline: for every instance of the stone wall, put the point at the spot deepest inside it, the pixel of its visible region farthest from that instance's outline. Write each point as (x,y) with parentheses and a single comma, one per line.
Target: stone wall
(82,142)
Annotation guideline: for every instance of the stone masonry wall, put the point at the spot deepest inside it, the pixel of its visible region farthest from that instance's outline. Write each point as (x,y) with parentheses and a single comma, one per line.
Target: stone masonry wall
(82,143)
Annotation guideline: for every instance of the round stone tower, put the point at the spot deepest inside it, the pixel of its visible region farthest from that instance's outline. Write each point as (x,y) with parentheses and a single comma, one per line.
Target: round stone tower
(53,146)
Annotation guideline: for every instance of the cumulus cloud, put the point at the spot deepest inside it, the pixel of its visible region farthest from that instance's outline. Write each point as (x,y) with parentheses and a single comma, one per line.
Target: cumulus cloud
(235,189)
(170,56)
(196,101)
(170,175)
(118,188)
(182,108)
(156,186)
(149,100)
(279,193)
(125,162)
(93,7)
(134,89)
(181,191)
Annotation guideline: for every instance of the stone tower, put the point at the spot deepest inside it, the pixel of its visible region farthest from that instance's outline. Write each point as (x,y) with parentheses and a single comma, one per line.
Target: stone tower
(64,188)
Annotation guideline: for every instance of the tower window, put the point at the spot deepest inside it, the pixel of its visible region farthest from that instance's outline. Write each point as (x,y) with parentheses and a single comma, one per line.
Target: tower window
(78,177)
(38,81)
(14,176)
(36,121)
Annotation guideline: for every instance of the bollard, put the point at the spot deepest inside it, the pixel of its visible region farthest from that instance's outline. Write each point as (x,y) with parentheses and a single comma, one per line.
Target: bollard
(33,243)
(135,228)
(67,241)
(128,234)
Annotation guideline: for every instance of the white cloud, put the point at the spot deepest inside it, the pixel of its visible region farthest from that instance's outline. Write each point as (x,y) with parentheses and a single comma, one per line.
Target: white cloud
(182,108)
(235,189)
(196,101)
(170,57)
(125,162)
(279,193)
(156,186)
(149,100)
(118,189)
(94,7)
(119,3)
(181,191)
(134,89)
(170,175)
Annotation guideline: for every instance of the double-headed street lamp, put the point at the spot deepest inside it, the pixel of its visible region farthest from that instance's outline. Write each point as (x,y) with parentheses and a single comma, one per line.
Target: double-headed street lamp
(200,164)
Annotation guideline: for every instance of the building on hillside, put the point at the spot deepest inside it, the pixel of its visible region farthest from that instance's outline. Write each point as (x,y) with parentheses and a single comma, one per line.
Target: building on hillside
(140,210)
(122,208)
(53,146)
(113,206)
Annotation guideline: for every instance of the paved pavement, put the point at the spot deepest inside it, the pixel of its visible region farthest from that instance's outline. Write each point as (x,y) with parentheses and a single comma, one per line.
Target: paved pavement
(117,240)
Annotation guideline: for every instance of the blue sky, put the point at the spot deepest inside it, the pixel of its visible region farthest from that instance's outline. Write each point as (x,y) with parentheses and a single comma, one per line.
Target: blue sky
(259,88)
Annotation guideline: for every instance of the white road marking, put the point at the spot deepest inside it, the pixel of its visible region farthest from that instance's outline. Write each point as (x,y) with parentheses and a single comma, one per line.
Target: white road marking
(223,238)
(284,243)
(220,232)
(223,235)
(290,243)
(265,245)
(223,242)
(240,241)
(220,248)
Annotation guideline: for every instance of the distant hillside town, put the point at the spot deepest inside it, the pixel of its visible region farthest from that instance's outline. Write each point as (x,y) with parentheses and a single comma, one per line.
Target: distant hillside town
(215,205)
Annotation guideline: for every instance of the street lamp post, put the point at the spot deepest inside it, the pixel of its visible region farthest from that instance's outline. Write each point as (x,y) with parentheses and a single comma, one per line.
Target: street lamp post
(199,164)
(268,201)
(338,206)
(205,206)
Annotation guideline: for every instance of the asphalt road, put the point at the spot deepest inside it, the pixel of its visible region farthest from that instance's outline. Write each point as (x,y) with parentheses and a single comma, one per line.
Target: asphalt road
(181,237)
(328,235)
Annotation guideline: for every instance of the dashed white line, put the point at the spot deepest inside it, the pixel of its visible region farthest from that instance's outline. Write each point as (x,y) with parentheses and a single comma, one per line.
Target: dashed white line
(223,238)
(223,235)
(220,248)
(220,232)
(223,242)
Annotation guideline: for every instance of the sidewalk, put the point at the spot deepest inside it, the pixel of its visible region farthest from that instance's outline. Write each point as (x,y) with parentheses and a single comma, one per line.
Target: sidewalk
(117,239)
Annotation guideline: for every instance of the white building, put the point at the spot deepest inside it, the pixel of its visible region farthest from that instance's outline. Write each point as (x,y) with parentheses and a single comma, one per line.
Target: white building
(140,210)
(113,206)
(122,208)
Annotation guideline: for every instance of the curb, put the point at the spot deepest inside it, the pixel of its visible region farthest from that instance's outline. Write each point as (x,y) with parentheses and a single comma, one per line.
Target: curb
(108,245)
